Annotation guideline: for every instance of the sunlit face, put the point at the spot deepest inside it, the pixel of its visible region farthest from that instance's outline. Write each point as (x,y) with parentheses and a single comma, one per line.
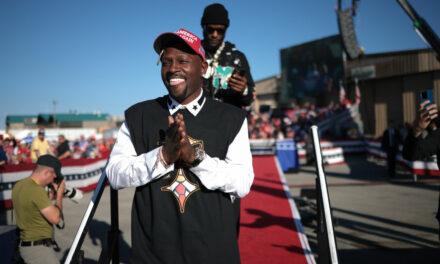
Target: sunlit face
(182,74)
(214,34)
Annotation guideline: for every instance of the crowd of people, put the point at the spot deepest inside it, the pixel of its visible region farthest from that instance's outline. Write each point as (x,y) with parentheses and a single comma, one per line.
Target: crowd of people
(14,151)
(292,123)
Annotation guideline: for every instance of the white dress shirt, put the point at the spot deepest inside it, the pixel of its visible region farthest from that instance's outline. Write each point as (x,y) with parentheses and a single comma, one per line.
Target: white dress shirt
(233,175)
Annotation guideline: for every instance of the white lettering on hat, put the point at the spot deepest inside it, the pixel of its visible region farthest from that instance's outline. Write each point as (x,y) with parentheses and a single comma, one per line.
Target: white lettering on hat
(186,35)
(187,39)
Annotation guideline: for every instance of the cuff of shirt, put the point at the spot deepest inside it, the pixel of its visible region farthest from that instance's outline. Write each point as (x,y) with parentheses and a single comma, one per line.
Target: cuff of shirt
(207,173)
(157,169)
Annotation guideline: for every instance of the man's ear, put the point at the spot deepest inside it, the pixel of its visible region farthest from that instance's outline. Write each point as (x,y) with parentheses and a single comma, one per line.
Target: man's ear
(47,173)
(204,67)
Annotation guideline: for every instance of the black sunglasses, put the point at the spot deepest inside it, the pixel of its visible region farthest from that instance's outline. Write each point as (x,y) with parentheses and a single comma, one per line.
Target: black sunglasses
(211,30)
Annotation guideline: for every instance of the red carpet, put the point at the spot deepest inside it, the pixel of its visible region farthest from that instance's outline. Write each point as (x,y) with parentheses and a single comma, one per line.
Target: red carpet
(271,230)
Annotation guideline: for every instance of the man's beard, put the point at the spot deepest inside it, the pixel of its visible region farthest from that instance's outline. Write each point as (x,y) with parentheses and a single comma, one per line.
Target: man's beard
(182,96)
(209,48)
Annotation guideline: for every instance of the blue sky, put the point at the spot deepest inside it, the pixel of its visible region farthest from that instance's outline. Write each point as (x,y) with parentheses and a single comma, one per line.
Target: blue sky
(90,55)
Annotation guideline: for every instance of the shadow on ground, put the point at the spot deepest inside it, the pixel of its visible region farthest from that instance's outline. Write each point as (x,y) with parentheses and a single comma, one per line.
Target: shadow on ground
(98,235)
(357,233)
(390,256)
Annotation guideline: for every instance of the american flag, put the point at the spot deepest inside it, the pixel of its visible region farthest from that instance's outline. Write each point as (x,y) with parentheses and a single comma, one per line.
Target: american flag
(358,92)
(341,93)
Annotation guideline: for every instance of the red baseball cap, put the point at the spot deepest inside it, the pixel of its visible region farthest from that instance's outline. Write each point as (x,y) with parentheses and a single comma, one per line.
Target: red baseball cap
(183,36)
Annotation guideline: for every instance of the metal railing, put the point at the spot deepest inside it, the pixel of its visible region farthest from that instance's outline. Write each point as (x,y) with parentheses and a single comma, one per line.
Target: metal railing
(110,250)
(327,250)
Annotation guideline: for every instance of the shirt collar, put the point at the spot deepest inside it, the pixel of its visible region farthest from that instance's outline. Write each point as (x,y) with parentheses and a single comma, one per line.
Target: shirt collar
(193,107)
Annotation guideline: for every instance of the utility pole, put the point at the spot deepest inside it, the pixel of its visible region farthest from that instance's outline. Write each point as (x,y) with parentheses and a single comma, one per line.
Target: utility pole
(54,113)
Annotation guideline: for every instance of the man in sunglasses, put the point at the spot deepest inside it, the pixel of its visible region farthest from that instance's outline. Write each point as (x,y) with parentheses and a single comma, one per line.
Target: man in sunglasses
(228,77)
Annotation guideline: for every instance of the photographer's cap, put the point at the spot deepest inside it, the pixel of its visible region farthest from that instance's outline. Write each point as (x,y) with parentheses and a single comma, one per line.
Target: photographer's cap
(51,161)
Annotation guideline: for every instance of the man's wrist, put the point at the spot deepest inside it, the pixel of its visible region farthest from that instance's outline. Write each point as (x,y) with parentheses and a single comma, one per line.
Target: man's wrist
(59,202)
(59,207)
(199,155)
(161,158)
(417,131)
(60,224)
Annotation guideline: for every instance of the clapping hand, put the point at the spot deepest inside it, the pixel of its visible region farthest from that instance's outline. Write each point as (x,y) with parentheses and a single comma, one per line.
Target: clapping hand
(177,147)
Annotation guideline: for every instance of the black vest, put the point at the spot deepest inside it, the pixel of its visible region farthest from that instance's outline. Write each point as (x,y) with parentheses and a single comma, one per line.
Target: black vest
(175,219)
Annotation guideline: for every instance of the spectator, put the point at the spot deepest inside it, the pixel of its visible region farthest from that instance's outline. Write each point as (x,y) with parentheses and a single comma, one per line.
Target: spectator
(91,149)
(23,152)
(228,77)
(8,148)
(82,143)
(424,139)
(77,151)
(3,157)
(40,146)
(104,148)
(390,144)
(63,149)
(404,130)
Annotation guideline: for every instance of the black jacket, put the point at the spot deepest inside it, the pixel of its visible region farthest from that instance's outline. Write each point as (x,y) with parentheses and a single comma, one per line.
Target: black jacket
(423,147)
(216,86)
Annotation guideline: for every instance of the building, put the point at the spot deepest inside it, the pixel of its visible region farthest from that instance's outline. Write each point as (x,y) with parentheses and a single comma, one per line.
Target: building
(21,121)
(390,83)
(267,93)
(97,121)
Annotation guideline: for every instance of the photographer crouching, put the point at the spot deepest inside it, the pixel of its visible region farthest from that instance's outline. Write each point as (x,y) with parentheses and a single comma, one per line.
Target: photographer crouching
(35,214)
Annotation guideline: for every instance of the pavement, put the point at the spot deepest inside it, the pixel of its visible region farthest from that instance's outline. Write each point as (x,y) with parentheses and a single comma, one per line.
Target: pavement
(376,219)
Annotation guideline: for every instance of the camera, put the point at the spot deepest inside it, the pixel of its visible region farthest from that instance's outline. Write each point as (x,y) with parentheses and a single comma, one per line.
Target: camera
(74,194)
(58,179)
